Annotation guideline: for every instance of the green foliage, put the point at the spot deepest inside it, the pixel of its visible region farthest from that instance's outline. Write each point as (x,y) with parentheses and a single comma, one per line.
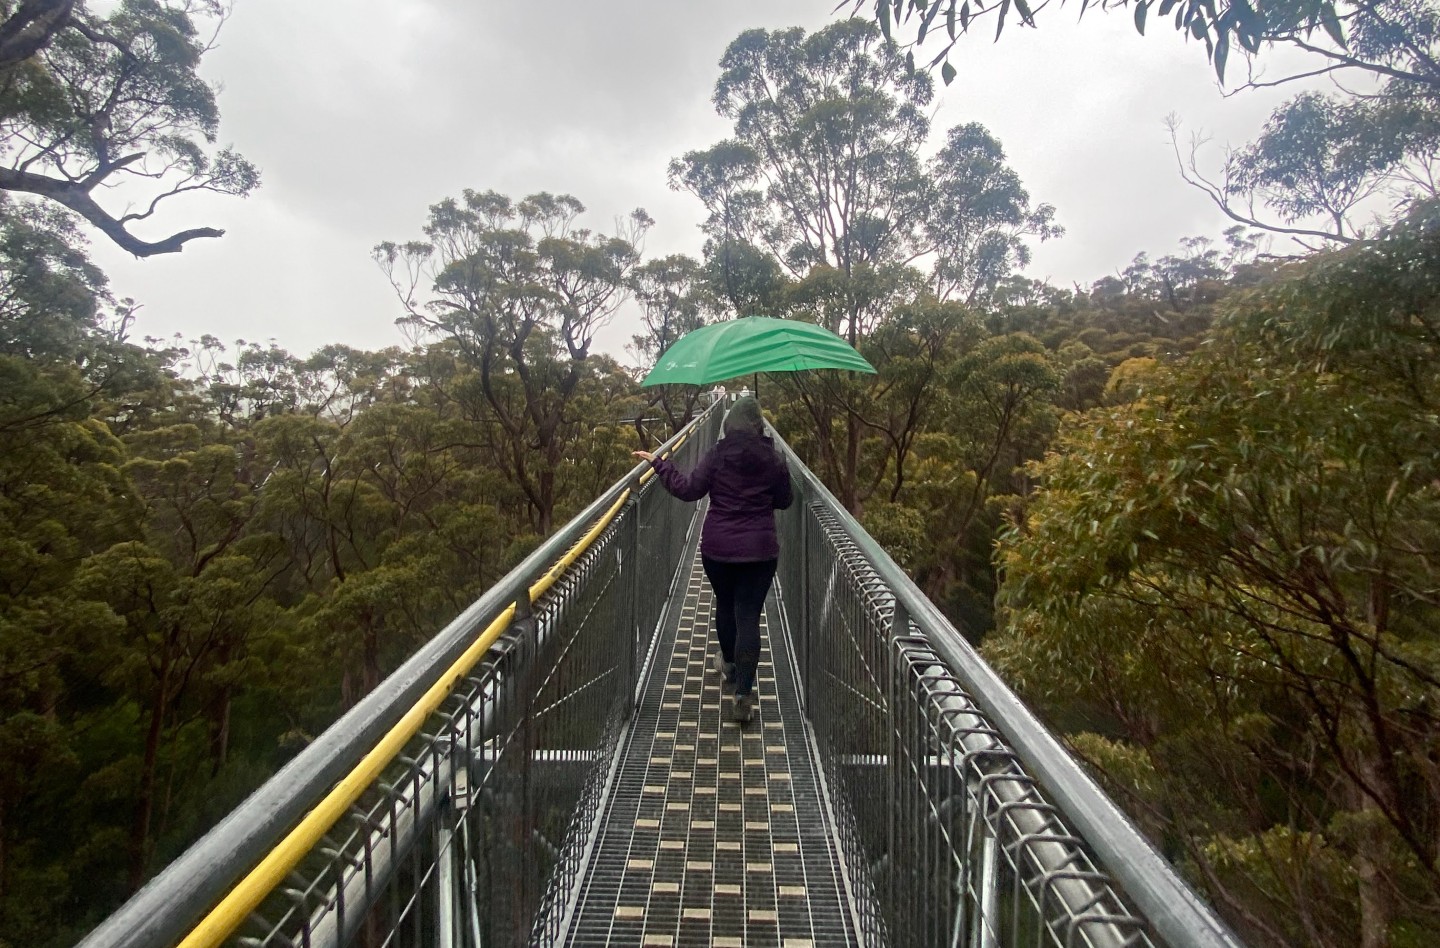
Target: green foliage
(1322,159)
(900,530)
(979,215)
(675,298)
(1320,155)
(819,205)
(1386,36)
(825,173)
(117,98)
(208,550)
(520,293)
(1233,569)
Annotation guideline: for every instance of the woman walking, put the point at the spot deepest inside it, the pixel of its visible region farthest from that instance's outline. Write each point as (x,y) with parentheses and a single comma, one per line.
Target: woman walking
(747,482)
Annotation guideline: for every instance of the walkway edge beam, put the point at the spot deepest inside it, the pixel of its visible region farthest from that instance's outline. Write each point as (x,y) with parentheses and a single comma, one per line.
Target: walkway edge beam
(1171,907)
(166,909)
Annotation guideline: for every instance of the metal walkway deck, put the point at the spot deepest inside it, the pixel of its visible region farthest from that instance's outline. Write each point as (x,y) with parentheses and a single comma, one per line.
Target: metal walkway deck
(715,833)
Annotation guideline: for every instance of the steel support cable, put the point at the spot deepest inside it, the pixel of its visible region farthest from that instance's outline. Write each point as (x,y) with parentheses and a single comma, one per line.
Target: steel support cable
(162,911)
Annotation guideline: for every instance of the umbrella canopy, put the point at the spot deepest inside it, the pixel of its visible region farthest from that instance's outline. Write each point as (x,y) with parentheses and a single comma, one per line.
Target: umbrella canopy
(753,344)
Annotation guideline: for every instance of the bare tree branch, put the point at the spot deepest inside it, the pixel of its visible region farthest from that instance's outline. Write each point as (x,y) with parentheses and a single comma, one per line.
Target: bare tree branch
(1220,196)
(78,199)
(110,104)
(1253,84)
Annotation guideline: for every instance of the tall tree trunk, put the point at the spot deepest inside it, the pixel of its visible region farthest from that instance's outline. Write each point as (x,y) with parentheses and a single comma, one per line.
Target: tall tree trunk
(547,500)
(4,874)
(371,652)
(145,801)
(1377,899)
(348,696)
(850,488)
(219,713)
(220,731)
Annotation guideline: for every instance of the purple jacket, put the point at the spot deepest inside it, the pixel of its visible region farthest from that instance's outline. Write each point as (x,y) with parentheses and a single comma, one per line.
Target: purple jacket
(747,482)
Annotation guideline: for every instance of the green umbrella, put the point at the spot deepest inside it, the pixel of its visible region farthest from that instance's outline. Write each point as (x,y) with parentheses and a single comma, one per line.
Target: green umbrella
(753,344)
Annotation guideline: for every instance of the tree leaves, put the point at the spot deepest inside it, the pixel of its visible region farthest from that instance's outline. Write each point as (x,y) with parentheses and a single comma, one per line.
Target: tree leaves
(108,100)
(1206,562)
(1384,45)
(1331,22)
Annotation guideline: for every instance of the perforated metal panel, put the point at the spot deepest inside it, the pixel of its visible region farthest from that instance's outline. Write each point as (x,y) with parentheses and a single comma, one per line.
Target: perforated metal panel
(715,832)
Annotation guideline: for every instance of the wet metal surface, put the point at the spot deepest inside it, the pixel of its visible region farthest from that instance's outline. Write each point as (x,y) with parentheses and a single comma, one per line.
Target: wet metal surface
(715,832)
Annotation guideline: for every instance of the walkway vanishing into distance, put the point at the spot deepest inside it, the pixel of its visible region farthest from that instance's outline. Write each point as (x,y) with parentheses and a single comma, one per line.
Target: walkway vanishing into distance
(558,767)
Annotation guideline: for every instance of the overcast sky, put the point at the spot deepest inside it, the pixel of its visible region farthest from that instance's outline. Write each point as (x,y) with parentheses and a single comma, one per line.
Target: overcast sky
(362,113)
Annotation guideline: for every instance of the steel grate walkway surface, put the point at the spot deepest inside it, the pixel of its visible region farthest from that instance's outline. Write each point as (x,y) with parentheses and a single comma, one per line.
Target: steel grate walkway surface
(715,833)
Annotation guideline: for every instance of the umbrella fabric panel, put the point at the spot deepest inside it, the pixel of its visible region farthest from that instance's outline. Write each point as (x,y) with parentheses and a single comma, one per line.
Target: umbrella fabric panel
(779,351)
(753,344)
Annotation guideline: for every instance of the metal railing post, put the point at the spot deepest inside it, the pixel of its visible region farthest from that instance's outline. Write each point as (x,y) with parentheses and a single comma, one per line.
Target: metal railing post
(629,553)
(806,637)
(899,627)
(445,881)
(989,910)
(523,631)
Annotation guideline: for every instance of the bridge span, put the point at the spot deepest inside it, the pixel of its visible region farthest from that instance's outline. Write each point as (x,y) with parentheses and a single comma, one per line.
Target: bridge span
(555,767)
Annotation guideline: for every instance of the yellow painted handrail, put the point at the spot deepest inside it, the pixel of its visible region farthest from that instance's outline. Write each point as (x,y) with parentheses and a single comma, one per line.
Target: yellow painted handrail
(251,890)
(650,472)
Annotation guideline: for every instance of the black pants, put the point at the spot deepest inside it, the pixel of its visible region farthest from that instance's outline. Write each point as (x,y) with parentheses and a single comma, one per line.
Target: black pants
(740,591)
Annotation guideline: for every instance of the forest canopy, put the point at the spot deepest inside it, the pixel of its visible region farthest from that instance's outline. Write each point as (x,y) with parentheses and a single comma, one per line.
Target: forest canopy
(1186,508)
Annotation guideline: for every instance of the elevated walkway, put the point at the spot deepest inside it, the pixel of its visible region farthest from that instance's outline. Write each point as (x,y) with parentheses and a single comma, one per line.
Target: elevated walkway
(715,833)
(557,767)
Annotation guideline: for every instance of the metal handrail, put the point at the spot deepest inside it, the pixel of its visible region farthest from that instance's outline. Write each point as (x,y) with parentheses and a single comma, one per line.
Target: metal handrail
(165,910)
(1169,905)
(953,728)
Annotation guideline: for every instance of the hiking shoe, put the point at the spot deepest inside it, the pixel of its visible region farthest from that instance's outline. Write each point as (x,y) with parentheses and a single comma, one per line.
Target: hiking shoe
(724,669)
(744,707)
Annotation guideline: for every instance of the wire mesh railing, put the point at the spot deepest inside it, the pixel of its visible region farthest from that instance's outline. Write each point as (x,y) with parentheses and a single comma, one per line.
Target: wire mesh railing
(455,801)
(969,825)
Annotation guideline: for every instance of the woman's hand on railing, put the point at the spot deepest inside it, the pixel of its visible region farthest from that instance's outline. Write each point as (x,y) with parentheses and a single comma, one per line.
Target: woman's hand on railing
(646,455)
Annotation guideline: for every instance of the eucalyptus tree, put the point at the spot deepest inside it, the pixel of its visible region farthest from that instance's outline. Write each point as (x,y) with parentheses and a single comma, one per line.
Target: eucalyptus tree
(1232,576)
(339,382)
(999,414)
(76,660)
(89,102)
(673,301)
(52,297)
(918,347)
(391,527)
(824,169)
(192,594)
(979,217)
(1325,168)
(1320,157)
(824,174)
(520,289)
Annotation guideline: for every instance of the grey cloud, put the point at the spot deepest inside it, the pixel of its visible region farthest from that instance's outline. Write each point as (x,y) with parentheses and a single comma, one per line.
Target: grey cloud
(362,113)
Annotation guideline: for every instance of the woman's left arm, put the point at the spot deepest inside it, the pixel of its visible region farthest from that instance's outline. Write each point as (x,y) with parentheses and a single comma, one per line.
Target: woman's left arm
(684,486)
(782,493)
